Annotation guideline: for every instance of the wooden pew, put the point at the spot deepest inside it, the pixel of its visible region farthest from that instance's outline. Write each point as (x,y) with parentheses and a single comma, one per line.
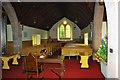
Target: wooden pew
(50,47)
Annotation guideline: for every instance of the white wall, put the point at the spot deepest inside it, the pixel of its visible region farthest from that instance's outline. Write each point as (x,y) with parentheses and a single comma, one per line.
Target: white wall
(119,39)
(9,33)
(76,31)
(27,33)
(87,29)
(111,69)
(112,65)
(104,27)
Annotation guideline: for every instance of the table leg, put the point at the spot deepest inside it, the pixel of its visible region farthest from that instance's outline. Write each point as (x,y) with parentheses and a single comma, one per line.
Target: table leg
(77,57)
(15,60)
(81,60)
(62,70)
(5,65)
(69,57)
(84,61)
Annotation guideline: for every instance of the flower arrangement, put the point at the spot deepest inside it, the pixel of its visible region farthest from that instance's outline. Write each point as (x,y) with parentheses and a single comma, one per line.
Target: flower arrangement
(102,51)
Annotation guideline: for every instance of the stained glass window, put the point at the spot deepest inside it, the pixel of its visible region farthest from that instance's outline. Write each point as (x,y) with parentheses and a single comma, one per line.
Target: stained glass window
(64,30)
(62,35)
(36,39)
(67,31)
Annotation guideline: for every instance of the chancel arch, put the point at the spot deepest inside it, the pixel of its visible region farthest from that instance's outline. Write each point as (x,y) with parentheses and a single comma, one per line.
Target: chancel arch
(17,35)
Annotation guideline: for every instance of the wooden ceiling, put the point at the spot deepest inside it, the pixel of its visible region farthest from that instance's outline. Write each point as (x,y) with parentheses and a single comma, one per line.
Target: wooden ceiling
(44,15)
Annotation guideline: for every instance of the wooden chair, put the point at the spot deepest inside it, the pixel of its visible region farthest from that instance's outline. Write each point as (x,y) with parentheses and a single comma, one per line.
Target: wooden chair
(31,66)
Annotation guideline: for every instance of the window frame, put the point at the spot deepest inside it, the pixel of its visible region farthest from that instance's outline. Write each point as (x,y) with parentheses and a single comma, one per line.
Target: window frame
(59,33)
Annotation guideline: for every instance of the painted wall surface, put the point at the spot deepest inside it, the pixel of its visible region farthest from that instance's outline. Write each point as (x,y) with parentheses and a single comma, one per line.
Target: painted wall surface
(104,27)
(119,39)
(112,18)
(75,28)
(9,33)
(88,30)
(27,33)
(112,65)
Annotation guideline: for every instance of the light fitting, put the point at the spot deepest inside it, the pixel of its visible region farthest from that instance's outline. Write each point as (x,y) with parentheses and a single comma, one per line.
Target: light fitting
(64,22)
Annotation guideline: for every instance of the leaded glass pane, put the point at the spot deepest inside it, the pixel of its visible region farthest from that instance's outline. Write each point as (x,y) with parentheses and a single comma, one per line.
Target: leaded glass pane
(67,31)
(62,35)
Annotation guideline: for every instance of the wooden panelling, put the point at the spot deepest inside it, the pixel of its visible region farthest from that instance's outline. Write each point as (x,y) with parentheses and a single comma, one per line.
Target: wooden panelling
(54,40)
(26,44)
(9,47)
(28,13)
(43,41)
(50,47)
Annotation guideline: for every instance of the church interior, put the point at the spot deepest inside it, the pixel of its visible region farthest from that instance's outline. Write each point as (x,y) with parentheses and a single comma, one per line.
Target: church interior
(58,40)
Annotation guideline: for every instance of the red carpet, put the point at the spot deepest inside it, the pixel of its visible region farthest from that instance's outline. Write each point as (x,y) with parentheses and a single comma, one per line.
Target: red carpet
(72,71)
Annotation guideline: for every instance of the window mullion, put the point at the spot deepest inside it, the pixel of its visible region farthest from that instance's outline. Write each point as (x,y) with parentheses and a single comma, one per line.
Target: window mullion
(65,30)
(59,32)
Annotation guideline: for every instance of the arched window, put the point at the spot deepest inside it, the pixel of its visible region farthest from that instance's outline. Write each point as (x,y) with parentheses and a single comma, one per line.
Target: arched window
(64,31)
(68,31)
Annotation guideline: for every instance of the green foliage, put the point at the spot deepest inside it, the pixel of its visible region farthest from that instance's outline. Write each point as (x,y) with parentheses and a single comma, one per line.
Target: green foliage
(102,51)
